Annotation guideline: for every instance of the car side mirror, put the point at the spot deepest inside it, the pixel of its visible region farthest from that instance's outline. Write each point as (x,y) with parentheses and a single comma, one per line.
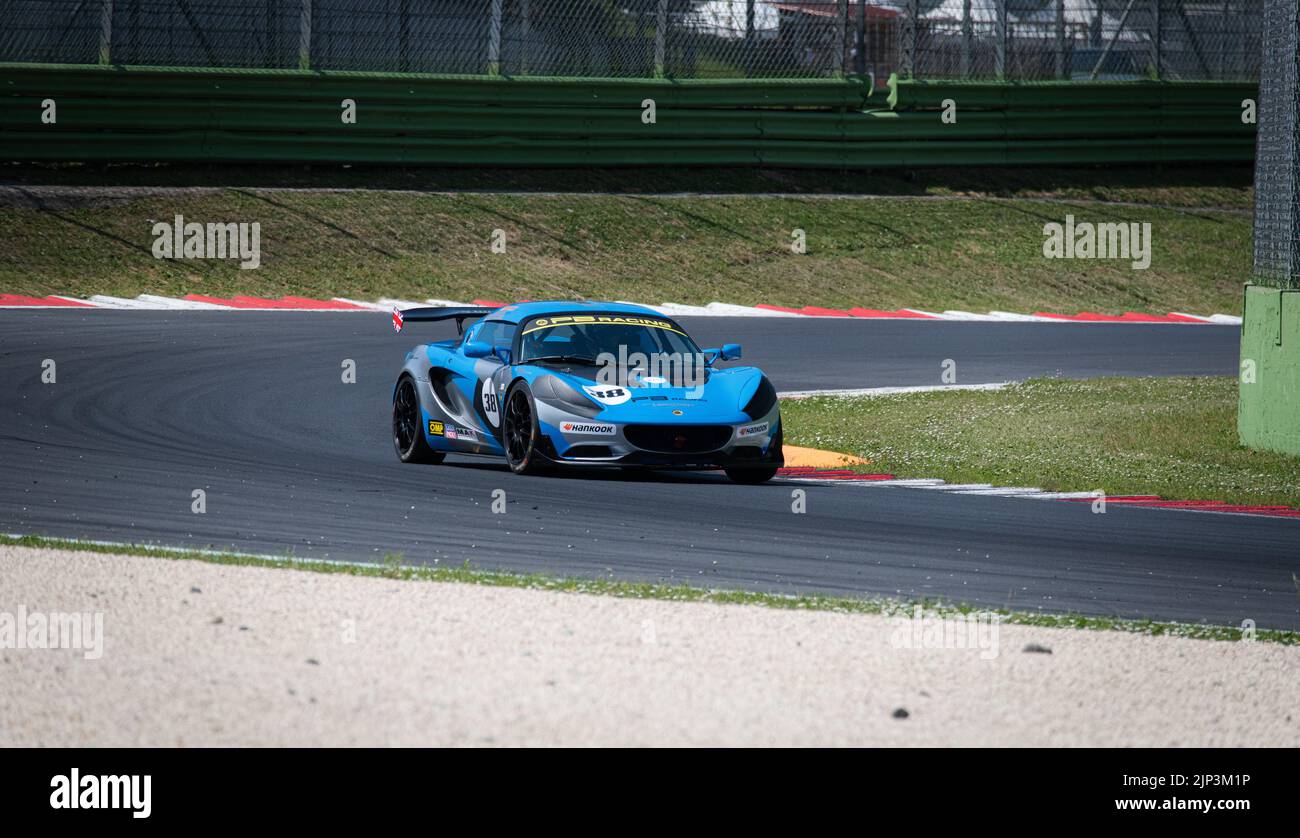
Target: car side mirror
(477,349)
(502,354)
(728,352)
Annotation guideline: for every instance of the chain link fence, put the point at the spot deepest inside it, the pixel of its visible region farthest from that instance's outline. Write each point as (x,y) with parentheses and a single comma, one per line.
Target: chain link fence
(975,39)
(1277,163)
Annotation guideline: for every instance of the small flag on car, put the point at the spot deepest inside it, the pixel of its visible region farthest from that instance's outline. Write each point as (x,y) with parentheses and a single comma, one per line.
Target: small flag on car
(397,320)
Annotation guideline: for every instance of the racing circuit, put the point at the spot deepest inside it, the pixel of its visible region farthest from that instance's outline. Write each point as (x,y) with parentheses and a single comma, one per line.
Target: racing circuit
(250,407)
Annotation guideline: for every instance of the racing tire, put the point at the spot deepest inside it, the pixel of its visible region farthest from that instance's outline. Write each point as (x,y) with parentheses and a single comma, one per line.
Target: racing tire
(408,435)
(520,431)
(760,472)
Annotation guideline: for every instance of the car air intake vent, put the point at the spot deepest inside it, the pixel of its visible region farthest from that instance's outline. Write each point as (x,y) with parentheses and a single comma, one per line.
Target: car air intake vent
(678,438)
(589,452)
(763,401)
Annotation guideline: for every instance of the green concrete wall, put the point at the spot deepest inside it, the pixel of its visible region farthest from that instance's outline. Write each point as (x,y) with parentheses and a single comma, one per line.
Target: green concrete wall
(1268,415)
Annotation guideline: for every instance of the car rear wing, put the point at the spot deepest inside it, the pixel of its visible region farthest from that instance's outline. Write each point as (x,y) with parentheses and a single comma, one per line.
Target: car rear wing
(458,313)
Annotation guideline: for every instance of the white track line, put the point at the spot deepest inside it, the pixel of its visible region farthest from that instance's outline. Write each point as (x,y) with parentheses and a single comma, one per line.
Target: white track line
(997,490)
(119,302)
(361,303)
(175,303)
(958,487)
(894,391)
(1013,317)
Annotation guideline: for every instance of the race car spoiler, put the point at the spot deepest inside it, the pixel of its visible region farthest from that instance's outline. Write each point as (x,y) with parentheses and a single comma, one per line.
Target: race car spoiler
(458,313)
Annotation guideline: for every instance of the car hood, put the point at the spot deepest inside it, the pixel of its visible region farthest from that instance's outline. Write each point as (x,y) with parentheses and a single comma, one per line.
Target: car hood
(718,399)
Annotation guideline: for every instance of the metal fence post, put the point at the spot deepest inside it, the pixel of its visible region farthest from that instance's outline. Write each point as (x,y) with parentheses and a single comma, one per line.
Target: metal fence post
(967,39)
(105,31)
(661,35)
(1157,36)
(1000,54)
(916,34)
(841,35)
(304,36)
(525,36)
(907,34)
(404,36)
(860,38)
(494,39)
(1060,39)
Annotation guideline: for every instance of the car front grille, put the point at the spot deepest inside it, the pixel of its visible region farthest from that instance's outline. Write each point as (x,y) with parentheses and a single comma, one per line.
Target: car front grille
(587,452)
(678,438)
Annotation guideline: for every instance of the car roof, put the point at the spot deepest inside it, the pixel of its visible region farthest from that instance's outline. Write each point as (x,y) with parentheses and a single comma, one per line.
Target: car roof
(518,312)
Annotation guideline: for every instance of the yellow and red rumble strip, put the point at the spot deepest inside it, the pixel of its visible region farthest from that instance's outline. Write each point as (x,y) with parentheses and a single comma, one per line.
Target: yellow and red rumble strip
(715,309)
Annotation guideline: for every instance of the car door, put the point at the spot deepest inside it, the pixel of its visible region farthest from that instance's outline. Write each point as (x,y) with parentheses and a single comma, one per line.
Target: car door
(491,374)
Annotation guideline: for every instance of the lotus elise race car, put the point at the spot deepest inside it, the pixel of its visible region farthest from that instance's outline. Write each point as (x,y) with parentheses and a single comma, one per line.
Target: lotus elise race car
(549,384)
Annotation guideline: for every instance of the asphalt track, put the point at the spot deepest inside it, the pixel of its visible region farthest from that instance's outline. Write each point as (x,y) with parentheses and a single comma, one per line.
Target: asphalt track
(250,407)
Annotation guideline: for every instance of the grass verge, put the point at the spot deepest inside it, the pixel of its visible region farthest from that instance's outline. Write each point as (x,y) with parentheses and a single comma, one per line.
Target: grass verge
(973,247)
(394,568)
(1173,437)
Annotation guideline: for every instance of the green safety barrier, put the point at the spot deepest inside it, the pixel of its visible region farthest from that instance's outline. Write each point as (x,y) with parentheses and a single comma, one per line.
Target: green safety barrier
(55,80)
(179,114)
(916,94)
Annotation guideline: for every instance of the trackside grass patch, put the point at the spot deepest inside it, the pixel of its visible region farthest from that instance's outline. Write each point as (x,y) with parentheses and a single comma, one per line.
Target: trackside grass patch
(936,251)
(1173,437)
(395,567)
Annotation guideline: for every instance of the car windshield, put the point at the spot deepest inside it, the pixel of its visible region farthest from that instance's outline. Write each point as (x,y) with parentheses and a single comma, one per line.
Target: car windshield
(584,338)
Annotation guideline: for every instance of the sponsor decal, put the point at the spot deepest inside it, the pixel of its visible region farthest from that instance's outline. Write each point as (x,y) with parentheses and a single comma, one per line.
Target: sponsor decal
(600,320)
(752,430)
(435,428)
(466,434)
(588,428)
(606,394)
(677,413)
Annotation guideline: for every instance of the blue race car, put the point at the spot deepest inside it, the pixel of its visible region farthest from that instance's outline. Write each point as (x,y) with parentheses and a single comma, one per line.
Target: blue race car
(549,384)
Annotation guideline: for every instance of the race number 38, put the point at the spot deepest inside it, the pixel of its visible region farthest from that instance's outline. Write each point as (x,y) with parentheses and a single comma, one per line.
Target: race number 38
(490,406)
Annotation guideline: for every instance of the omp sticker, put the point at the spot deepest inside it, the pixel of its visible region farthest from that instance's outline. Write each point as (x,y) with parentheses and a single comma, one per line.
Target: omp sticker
(587,428)
(435,428)
(491,404)
(752,430)
(606,394)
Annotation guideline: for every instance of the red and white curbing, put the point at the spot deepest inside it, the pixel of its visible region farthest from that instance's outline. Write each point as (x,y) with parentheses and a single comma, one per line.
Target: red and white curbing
(817,475)
(248,303)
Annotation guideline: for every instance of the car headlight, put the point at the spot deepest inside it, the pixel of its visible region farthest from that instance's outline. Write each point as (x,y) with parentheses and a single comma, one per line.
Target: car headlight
(763,400)
(557,393)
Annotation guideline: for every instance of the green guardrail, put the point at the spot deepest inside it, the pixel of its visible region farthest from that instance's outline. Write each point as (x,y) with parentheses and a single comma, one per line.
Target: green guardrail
(171,114)
(52,80)
(917,94)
